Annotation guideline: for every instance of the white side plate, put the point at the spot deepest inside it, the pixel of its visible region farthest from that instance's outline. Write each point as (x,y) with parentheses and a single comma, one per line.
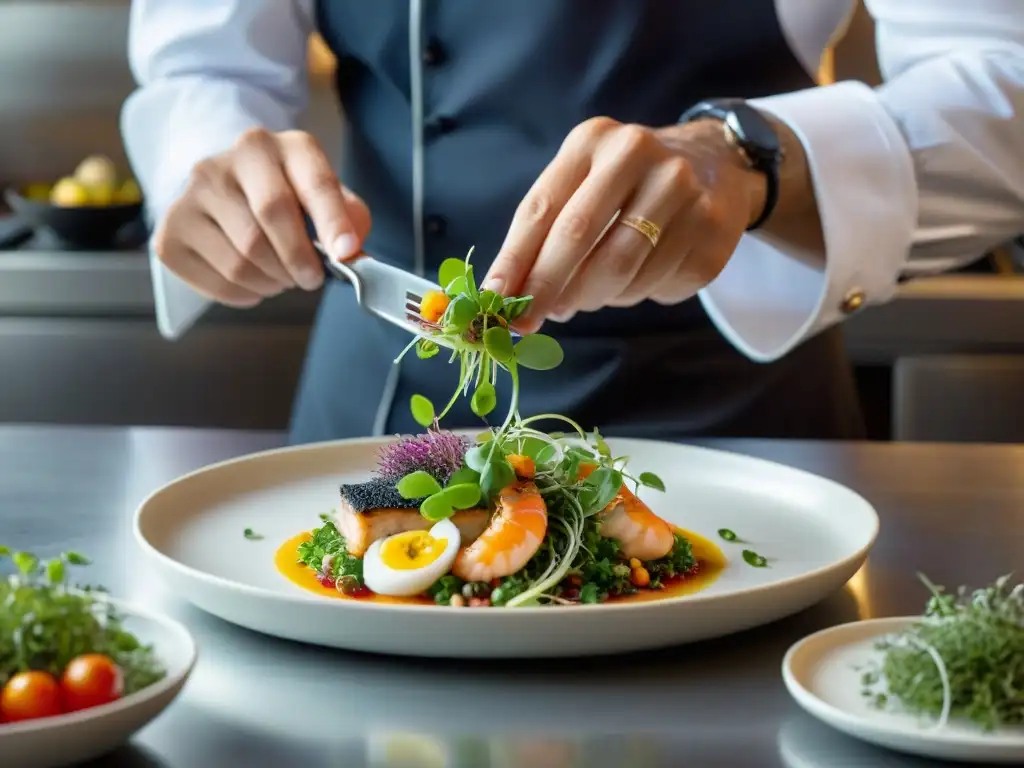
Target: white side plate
(821,673)
(88,734)
(815,533)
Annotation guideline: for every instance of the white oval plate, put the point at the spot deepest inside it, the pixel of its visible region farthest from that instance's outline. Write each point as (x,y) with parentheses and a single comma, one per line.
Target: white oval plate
(815,533)
(821,673)
(81,736)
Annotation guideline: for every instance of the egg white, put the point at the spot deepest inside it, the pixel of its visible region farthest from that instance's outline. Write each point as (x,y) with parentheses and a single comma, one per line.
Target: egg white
(385,580)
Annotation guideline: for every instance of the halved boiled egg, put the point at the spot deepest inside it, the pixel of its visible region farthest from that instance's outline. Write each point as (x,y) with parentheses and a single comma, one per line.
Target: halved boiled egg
(408,563)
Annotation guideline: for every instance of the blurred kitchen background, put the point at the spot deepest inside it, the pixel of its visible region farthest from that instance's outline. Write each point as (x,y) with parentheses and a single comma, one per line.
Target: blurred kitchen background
(78,339)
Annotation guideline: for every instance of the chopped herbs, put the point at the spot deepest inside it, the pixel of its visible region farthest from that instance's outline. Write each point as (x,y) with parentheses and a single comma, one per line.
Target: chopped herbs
(750,557)
(679,562)
(326,552)
(728,535)
(46,622)
(964,659)
(251,535)
(445,588)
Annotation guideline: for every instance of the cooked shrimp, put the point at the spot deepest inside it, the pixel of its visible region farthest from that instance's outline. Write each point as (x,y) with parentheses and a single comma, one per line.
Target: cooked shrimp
(629,521)
(641,533)
(515,534)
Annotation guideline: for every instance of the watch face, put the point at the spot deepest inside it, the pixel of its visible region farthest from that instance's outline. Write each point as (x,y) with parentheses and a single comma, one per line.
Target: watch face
(753,130)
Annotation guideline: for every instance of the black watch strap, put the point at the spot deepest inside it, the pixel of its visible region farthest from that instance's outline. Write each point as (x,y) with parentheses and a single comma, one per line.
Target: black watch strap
(755,138)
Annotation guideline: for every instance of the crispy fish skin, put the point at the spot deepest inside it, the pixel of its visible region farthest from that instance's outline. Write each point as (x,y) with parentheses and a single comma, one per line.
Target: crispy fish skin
(375,510)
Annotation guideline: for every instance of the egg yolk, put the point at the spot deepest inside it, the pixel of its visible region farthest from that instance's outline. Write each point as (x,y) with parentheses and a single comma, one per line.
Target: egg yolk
(411,550)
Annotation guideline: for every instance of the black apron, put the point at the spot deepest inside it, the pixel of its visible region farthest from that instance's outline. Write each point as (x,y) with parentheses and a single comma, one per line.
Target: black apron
(446,131)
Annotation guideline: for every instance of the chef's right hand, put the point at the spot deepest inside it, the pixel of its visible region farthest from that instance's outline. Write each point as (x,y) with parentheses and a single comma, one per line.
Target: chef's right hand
(237,233)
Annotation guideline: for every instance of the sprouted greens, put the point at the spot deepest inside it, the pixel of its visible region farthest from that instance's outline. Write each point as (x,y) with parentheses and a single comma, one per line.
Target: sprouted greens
(578,476)
(45,623)
(963,659)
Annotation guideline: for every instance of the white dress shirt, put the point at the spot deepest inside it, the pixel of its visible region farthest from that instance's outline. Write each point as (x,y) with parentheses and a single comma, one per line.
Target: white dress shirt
(922,174)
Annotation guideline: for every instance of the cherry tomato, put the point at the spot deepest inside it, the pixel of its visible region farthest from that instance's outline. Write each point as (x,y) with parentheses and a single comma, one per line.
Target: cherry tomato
(29,695)
(91,680)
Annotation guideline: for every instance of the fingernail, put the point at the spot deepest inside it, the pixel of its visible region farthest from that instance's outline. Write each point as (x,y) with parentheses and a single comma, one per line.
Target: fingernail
(344,246)
(496,284)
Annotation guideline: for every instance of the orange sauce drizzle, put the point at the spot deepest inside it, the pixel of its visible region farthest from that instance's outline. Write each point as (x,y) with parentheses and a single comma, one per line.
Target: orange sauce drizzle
(712,563)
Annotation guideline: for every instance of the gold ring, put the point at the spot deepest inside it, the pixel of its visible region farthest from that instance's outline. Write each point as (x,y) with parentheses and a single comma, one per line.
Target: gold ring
(645,227)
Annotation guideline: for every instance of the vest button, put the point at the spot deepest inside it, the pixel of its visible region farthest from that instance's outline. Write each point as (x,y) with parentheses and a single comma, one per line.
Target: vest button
(440,125)
(433,53)
(435,225)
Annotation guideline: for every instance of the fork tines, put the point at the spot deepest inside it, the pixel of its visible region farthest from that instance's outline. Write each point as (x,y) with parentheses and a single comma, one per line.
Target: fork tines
(412,307)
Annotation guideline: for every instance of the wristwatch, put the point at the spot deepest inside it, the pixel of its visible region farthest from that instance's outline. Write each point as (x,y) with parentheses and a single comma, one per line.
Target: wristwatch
(753,135)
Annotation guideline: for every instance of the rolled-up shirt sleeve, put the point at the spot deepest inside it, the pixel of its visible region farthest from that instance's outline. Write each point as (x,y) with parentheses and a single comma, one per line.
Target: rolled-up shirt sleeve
(207,71)
(922,174)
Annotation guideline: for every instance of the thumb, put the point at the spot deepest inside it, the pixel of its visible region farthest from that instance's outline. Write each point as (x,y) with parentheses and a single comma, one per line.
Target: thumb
(360,219)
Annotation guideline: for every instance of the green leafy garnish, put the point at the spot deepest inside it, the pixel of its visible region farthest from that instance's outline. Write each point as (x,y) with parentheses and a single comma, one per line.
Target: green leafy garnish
(651,480)
(251,535)
(963,659)
(422,410)
(417,485)
(445,588)
(485,399)
(326,552)
(750,557)
(538,352)
(727,534)
(45,622)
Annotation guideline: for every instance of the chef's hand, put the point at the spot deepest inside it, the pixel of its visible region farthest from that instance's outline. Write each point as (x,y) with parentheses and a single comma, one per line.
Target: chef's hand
(237,233)
(686,179)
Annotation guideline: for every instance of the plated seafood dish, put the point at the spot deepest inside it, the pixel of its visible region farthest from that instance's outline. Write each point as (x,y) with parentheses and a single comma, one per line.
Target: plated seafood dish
(514,517)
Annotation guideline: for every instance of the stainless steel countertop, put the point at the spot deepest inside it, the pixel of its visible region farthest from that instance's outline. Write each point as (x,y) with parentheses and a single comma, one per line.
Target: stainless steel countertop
(954,512)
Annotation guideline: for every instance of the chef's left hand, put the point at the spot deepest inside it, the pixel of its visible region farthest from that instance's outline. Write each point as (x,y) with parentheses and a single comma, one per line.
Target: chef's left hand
(686,179)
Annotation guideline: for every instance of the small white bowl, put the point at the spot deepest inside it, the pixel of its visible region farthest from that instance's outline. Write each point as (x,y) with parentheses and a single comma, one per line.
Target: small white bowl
(821,673)
(85,735)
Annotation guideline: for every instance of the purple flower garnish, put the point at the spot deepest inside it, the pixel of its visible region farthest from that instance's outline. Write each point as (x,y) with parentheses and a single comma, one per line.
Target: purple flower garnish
(438,453)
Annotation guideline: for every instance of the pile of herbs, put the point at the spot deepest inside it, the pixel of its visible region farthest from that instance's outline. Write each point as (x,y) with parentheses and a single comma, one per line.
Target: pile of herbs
(326,552)
(45,622)
(964,659)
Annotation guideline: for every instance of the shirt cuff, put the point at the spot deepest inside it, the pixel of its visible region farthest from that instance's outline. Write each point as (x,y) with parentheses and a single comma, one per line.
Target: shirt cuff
(169,127)
(771,297)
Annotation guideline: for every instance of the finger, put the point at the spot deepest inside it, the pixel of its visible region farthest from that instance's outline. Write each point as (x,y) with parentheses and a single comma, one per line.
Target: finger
(206,236)
(575,232)
(319,192)
(533,219)
(707,246)
(623,251)
(215,193)
(275,208)
(358,213)
(664,264)
(187,264)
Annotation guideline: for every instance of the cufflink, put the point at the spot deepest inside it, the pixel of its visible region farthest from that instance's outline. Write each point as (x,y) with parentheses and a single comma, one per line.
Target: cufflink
(852,301)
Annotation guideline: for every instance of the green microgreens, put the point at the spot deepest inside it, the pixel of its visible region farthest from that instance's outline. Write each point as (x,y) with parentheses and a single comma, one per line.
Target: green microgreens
(45,622)
(475,325)
(964,658)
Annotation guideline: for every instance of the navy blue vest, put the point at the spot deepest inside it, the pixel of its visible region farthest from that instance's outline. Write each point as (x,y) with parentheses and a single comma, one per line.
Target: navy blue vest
(446,131)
